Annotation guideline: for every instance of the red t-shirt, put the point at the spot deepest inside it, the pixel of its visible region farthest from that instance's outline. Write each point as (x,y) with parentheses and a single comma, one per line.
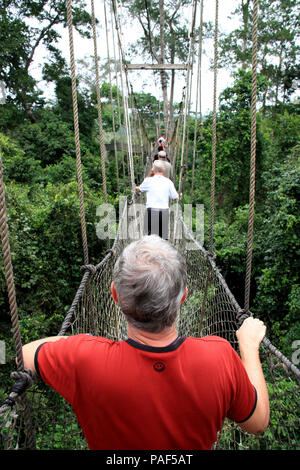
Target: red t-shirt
(130,396)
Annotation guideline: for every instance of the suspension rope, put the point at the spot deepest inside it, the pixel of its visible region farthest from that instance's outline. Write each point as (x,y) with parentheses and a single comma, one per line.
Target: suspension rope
(253,156)
(187,95)
(138,227)
(198,97)
(76,130)
(111,101)
(22,375)
(101,137)
(214,133)
(163,74)
(118,94)
(142,134)
(125,102)
(8,269)
(186,108)
(175,137)
(185,166)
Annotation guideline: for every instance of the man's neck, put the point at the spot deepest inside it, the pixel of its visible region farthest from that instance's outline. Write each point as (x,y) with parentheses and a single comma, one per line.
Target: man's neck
(152,339)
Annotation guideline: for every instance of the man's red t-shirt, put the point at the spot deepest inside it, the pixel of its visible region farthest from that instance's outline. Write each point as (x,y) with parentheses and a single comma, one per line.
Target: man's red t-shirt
(130,396)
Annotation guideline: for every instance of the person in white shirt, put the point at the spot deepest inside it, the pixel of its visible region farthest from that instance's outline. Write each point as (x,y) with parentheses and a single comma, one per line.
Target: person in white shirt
(159,190)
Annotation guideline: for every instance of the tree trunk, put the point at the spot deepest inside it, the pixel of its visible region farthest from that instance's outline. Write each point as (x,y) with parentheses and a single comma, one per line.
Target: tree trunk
(278,79)
(27,107)
(163,75)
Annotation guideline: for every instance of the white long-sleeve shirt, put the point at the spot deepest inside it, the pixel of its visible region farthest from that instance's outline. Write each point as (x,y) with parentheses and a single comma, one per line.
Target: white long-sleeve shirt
(159,190)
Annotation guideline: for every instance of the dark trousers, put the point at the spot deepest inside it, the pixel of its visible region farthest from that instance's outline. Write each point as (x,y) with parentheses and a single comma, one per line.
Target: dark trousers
(156,222)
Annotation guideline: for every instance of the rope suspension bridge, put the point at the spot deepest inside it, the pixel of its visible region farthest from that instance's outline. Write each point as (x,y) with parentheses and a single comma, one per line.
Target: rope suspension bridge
(35,417)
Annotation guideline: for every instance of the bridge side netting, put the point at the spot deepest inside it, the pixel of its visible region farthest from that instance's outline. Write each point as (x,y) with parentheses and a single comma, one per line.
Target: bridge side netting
(210,309)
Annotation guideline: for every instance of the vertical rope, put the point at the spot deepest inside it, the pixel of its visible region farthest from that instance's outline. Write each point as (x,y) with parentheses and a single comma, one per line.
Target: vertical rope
(9,273)
(126,114)
(76,130)
(198,97)
(175,137)
(186,111)
(163,73)
(187,96)
(111,100)
(101,138)
(253,156)
(214,134)
(9,276)
(158,133)
(118,96)
(125,98)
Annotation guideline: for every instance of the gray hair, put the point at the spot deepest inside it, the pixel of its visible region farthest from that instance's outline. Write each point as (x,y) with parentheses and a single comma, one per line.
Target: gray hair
(150,281)
(158,166)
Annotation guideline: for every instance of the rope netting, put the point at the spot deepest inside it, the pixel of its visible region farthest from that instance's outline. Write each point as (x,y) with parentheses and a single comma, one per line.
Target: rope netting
(211,309)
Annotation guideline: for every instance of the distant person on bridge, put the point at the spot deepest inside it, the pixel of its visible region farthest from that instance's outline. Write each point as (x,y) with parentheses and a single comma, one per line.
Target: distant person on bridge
(162,156)
(159,190)
(159,150)
(155,390)
(162,141)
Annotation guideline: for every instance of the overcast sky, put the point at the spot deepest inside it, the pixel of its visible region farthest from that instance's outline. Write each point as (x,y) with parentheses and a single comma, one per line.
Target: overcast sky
(143,80)
(226,7)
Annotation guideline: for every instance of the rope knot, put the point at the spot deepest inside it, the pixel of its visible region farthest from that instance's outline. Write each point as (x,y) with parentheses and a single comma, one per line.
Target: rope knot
(211,255)
(110,251)
(24,379)
(88,267)
(241,316)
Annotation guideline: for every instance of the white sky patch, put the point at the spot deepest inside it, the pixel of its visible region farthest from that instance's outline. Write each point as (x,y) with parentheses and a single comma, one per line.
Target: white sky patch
(143,81)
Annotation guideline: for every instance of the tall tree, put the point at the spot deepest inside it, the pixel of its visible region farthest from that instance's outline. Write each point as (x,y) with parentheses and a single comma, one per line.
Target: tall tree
(233,144)
(26,25)
(163,75)
(165,39)
(278,32)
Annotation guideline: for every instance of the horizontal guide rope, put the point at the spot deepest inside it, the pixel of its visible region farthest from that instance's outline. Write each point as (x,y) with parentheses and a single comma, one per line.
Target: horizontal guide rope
(157,66)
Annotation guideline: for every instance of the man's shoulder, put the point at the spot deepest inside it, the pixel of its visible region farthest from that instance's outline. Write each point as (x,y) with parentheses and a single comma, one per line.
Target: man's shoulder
(210,341)
(210,349)
(146,181)
(87,340)
(86,346)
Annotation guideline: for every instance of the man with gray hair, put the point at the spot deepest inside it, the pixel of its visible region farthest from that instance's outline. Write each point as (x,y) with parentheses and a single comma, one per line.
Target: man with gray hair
(159,190)
(155,390)
(149,283)
(162,157)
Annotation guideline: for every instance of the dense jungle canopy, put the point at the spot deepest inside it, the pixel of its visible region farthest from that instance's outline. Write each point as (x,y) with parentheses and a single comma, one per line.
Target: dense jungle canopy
(38,152)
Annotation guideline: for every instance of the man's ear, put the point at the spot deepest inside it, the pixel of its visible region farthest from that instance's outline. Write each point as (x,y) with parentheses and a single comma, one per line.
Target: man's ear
(184,295)
(114,292)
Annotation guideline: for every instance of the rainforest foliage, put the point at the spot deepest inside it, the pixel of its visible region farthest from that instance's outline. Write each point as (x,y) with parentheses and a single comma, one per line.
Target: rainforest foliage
(39,161)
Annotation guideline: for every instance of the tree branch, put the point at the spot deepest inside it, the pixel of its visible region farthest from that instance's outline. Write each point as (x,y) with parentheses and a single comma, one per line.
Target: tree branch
(39,39)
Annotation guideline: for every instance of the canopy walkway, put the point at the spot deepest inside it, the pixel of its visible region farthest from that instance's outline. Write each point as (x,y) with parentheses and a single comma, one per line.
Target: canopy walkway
(40,419)
(211,310)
